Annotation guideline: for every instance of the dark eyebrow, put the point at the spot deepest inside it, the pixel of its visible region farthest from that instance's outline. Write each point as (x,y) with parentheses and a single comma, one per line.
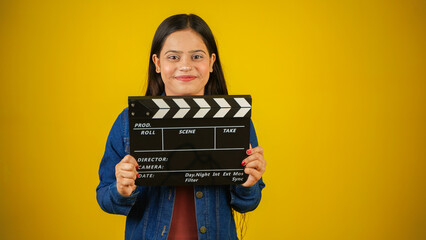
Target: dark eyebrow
(173,51)
(198,50)
(192,51)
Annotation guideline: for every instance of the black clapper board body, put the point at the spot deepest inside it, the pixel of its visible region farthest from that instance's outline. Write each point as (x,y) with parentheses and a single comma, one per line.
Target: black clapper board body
(190,140)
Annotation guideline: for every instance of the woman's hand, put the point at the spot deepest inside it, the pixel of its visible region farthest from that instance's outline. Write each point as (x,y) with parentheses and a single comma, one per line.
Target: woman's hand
(125,172)
(254,165)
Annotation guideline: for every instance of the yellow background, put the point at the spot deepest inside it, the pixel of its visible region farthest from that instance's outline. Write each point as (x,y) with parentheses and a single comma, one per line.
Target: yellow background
(338,93)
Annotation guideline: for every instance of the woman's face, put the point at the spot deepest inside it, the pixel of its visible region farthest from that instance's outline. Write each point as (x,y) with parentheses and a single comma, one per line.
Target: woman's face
(184,63)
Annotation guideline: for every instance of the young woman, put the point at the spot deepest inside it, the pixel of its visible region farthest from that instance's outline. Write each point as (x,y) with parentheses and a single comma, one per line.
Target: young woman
(185,61)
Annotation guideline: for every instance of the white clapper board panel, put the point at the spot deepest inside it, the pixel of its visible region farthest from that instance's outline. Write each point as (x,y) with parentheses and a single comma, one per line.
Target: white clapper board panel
(190,140)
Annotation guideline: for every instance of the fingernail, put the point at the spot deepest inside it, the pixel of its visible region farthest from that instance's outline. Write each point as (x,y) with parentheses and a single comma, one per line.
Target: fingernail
(137,167)
(137,175)
(243,163)
(248,151)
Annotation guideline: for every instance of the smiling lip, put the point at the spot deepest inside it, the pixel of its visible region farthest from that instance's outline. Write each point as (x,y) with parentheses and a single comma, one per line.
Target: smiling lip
(185,78)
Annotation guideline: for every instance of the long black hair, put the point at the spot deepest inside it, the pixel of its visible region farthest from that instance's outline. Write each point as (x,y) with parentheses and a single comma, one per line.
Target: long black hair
(216,84)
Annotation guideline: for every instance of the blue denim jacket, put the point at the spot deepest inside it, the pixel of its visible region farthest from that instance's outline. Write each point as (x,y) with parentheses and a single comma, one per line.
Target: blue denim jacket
(149,208)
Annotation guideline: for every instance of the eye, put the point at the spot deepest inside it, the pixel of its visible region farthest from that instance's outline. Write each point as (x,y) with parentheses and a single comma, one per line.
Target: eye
(197,56)
(173,57)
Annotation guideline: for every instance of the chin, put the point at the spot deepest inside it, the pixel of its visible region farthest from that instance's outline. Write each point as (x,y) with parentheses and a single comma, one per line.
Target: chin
(186,90)
(182,92)
(191,93)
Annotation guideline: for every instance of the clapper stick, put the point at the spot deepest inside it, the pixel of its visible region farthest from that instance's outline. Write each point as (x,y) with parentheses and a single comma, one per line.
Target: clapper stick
(190,140)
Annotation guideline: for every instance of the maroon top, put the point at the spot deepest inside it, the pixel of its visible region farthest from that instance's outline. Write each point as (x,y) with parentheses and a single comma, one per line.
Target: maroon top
(184,223)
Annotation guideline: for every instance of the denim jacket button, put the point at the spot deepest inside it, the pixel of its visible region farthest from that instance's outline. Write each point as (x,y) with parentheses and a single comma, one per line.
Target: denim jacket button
(199,194)
(203,229)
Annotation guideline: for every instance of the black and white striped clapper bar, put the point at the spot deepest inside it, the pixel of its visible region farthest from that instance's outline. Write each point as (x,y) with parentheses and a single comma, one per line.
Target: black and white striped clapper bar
(190,140)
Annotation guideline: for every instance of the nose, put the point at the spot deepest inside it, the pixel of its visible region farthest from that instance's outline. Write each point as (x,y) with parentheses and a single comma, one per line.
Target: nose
(185,65)
(185,68)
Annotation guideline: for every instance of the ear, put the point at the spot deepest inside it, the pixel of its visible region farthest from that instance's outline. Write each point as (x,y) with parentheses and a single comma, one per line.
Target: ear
(156,61)
(212,60)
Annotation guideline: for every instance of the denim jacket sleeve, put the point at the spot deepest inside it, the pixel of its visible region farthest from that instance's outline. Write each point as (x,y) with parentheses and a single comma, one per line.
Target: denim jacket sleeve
(109,199)
(245,199)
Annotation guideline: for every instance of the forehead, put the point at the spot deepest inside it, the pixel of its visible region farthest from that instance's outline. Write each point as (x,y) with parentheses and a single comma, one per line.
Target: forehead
(184,40)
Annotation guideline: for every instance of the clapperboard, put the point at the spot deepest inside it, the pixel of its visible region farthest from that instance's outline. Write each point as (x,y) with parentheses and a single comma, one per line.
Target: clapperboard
(190,140)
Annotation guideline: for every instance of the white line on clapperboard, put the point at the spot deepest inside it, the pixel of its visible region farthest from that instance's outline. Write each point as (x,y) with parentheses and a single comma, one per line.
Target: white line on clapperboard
(200,170)
(189,127)
(183,150)
(214,137)
(162,139)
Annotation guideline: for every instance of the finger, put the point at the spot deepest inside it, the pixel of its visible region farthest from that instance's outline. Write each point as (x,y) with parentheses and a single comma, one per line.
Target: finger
(126,182)
(125,190)
(252,151)
(250,182)
(256,165)
(122,189)
(127,167)
(254,157)
(128,174)
(253,173)
(129,159)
